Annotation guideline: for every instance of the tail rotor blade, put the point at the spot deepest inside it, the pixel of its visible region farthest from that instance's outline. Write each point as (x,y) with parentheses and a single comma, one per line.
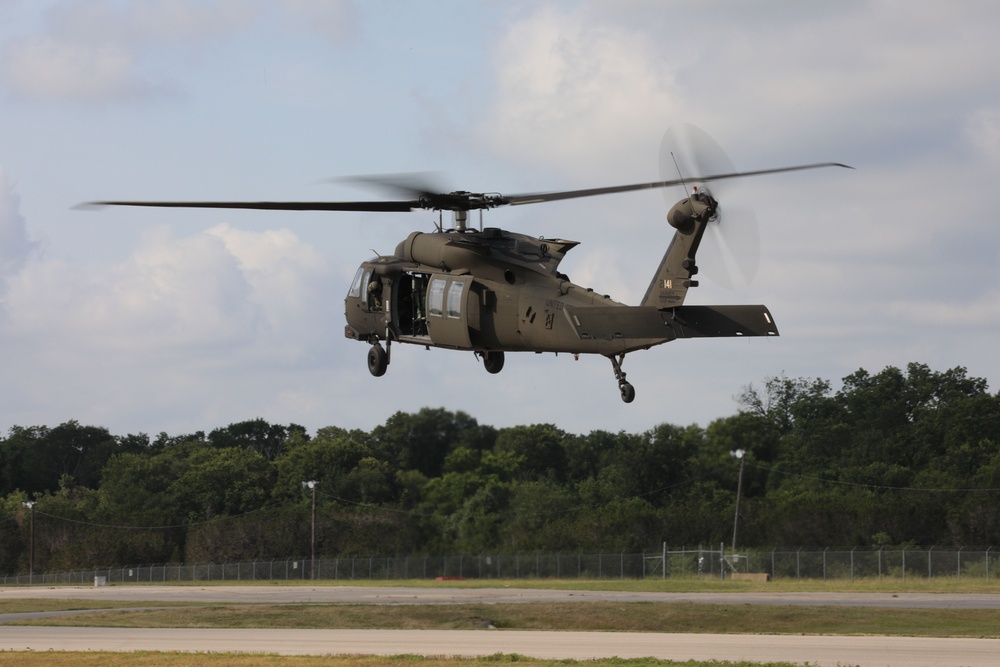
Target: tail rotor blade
(732,256)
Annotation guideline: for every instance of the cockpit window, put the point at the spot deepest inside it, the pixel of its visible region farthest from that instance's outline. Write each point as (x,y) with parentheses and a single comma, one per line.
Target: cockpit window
(364,286)
(356,285)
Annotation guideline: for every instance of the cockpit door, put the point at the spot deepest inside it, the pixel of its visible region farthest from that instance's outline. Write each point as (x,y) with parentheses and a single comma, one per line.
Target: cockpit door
(364,306)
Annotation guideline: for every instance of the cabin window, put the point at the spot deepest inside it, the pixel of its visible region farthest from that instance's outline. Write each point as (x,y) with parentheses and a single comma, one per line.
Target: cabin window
(435,297)
(455,299)
(356,285)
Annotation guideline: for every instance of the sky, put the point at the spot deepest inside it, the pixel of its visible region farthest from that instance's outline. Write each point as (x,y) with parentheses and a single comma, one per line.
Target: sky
(150,321)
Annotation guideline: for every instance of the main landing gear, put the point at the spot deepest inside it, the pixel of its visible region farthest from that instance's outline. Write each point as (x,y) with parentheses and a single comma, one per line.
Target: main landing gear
(378,360)
(626,389)
(492,361)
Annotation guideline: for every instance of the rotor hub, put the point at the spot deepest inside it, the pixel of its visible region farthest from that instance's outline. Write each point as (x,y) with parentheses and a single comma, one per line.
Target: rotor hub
(699,207)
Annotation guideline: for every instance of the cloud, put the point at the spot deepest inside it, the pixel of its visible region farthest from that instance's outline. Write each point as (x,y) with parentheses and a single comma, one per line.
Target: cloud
(599,83)
(569,90)
(331,19)
(983,132)
(15,246)
(110,51)
(218,325)
(98,51)
(46,69)
(222,293)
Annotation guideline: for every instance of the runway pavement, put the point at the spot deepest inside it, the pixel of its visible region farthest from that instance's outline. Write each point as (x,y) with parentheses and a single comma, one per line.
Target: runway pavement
(818,651)
(822,651)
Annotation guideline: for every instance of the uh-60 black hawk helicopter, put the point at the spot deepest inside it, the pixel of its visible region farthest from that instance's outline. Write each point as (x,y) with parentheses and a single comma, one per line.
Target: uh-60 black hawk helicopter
(492,291)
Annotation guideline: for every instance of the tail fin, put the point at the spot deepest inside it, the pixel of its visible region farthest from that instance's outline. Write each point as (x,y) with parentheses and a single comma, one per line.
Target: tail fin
(677,268)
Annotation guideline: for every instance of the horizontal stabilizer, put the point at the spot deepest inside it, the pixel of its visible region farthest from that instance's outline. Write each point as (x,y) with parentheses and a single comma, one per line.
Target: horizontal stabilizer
(653,324)
(619,322)
(720,321)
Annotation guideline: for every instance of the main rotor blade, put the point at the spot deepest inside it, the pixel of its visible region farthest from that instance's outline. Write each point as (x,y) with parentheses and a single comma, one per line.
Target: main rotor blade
(412,185)
(378,206)
(515,200)
(454,201)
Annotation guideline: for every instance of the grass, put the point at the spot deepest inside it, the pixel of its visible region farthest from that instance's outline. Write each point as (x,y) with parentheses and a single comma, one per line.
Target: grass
(652,585)
(24,605)
(578,616)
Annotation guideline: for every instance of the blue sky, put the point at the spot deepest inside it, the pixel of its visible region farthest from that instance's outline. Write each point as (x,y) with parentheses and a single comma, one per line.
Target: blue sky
(146,320)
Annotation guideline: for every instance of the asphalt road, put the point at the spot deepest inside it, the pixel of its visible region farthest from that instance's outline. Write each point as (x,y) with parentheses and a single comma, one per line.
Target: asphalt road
(823,651)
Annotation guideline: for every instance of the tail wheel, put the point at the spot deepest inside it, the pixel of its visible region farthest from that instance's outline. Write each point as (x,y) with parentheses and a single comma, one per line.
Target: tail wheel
(493,362)
(378,360)
(626,389)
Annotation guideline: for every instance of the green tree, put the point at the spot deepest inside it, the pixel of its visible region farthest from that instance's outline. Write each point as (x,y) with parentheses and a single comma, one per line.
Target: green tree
(34,459)
(538,447)
(266,439)
(423,440)
(779,397)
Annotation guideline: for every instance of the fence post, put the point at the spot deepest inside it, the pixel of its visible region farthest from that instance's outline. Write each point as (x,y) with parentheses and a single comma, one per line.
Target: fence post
(929,572)
(958,564)
(852,562)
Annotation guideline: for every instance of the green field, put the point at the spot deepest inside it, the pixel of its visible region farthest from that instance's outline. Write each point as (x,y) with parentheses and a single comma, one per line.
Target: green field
(566,616)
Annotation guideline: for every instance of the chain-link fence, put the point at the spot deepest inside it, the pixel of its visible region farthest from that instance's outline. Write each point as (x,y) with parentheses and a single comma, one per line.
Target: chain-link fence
(780,563)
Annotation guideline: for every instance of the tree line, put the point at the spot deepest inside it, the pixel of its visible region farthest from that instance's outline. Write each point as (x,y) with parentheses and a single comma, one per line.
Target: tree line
(896,457)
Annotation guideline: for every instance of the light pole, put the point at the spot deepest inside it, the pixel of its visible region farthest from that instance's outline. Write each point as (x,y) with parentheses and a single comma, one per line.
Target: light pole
(312,559)
(739,454)
(30,504)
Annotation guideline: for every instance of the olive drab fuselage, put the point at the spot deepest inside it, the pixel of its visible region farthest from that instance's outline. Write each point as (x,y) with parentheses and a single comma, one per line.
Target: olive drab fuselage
(484,291)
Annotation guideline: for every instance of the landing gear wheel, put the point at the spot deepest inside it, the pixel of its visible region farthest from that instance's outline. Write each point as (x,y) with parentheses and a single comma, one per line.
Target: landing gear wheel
(493,362)
(628,392)
(378,360)
(626,389)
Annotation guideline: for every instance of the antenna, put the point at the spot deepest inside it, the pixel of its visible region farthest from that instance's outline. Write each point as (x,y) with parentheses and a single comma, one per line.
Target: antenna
(679,174)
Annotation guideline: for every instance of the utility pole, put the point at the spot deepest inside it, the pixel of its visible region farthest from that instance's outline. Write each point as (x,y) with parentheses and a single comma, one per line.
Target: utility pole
(739,454)
(312,559)
(30,504)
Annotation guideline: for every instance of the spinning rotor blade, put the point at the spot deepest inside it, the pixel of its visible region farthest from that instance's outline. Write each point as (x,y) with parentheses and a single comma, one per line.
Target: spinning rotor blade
(734,253)
(415,186)
(420,195)
(540,197)
(382,206)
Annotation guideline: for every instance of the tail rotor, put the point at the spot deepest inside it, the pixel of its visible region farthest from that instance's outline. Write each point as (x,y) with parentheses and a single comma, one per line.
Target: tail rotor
(688,153)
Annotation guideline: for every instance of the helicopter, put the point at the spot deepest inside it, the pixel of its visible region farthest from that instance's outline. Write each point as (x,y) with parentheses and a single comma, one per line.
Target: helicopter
(492,291)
